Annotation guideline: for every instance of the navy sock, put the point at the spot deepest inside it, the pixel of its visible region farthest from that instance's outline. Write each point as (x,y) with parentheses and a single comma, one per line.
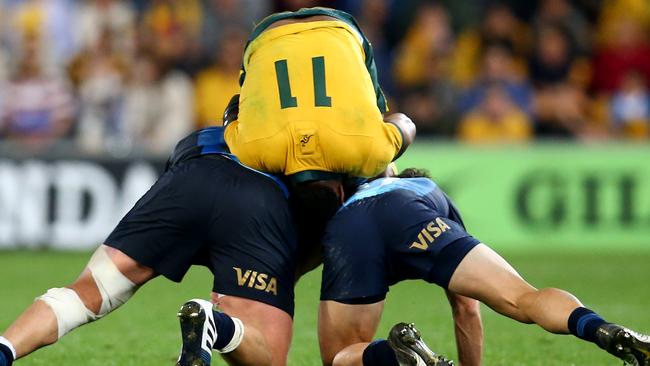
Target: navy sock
(225,329)
(6,357)
(583,323)
(379,353)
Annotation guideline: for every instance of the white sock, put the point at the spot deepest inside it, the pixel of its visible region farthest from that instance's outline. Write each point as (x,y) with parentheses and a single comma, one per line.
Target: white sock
(6,342)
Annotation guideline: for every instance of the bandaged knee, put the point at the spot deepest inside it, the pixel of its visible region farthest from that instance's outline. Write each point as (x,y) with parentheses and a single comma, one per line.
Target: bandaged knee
(68,308)
(114,288)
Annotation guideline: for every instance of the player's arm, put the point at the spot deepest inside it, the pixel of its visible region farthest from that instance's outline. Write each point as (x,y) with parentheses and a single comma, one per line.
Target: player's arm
(468,329)
(406,128)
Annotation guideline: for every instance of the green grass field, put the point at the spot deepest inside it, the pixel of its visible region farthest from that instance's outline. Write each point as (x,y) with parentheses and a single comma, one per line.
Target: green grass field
(145,331)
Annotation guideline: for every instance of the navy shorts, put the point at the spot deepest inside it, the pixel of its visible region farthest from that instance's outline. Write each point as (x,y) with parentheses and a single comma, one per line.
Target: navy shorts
(378,241)
(212,211)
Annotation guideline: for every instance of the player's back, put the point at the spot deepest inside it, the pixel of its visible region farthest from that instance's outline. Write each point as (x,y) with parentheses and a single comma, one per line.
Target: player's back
(402,190)
(392,229)
(309,101)
(310,72)
(393,206)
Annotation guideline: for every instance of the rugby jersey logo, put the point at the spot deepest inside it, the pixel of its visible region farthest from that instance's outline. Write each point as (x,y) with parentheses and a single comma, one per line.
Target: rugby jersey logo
(256,280)
(307,142)
(429,233)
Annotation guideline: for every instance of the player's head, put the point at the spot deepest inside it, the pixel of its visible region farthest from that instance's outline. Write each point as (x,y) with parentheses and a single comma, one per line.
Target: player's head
(392,172)
(414,173)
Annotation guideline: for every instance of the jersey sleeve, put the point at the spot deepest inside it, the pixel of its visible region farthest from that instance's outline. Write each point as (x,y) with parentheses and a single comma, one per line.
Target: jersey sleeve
(395,139)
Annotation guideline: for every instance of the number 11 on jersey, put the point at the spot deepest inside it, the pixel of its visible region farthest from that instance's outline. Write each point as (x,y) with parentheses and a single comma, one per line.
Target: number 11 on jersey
(287,100)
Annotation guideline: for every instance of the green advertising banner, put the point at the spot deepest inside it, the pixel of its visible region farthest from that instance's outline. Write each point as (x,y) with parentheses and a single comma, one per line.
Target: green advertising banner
(560,195)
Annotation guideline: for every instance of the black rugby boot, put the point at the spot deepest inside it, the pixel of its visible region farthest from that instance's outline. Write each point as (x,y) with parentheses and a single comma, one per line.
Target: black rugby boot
(410,350)
(628,345)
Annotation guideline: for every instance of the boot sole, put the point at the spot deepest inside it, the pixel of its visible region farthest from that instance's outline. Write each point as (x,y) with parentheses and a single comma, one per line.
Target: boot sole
(191,316)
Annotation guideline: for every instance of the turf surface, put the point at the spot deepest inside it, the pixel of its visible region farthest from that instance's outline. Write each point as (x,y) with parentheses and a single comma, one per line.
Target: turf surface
(145,331)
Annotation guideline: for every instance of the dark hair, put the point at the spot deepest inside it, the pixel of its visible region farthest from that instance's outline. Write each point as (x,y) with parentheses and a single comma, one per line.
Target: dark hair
(504,45)
(312,207)
(414,173)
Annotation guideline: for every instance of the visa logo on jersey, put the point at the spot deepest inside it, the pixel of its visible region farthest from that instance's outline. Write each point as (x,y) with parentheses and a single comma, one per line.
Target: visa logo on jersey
(256,280)
(429,234)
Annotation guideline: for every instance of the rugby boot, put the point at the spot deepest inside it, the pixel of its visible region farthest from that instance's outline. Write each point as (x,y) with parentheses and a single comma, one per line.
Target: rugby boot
(411,350)
(198,331)
(633,348)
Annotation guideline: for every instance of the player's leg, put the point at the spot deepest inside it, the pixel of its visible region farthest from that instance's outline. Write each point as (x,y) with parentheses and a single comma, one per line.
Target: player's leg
(108,281)
(345,332)
(245,332)
(468,328)
(250,244)
(486,276)
(352,273)
(267,334)
(354,285)
(160,235)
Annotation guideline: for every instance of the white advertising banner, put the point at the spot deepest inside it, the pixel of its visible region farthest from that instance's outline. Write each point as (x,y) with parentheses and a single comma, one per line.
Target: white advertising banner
(67,203)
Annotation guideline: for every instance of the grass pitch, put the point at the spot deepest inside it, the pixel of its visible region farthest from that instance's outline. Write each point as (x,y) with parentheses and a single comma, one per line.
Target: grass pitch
(145,331)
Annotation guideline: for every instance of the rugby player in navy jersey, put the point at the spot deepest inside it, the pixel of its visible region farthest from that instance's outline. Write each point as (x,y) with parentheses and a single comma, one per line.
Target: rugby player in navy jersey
(401,228)
(205,209)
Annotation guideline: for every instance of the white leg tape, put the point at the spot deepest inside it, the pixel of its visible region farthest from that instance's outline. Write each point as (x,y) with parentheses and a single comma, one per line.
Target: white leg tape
(237,337)
(68,308)
(113,286)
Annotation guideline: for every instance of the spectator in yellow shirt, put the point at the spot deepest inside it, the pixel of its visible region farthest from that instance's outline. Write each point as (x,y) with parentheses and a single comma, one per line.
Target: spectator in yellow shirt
(496,119)
(499,26)
(216,85)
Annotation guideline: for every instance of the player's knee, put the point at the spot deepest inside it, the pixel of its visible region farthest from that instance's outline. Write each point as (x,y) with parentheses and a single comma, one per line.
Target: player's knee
(340,359)
(467,307)
(72,311)
(523,304)
(69,310)
(114,288)
(328,351)
(512,304)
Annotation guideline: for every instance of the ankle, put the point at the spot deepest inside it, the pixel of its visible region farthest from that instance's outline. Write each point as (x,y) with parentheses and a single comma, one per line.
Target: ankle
(584,324)
(230,332)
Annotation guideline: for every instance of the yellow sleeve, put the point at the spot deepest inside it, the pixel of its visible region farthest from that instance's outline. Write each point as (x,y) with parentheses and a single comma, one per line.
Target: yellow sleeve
(395,138)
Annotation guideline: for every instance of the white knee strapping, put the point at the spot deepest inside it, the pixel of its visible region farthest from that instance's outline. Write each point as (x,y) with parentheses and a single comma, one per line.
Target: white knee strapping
(68,308)
(113,286)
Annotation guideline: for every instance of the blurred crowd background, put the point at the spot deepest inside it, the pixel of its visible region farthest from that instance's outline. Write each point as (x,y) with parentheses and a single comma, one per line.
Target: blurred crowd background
(109,76)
